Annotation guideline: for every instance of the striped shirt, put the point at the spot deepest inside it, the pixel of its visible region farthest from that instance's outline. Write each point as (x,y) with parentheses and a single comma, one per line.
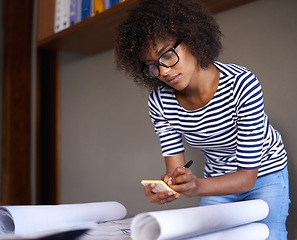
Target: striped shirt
(232,129)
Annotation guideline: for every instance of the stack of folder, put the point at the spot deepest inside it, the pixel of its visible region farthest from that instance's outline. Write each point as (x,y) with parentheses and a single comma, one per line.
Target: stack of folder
(70,12)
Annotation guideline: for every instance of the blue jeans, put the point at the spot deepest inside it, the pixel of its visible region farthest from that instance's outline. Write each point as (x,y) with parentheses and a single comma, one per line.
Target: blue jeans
(273,189)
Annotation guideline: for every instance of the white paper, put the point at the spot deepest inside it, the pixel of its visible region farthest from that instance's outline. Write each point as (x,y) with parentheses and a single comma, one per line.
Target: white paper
(188,222)
(38,218)
(114,230)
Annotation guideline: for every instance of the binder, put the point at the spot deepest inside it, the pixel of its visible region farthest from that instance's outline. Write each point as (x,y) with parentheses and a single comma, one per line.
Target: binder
(110,3)
(98,6)
(86,9)
(57,25)
(62,12)
(75,11)
(114,2)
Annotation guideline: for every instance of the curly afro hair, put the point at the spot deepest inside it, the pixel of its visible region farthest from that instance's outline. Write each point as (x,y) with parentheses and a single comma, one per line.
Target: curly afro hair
(186,20)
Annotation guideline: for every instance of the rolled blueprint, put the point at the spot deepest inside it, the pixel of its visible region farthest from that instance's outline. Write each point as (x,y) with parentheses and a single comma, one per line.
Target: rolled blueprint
(189,222)
(30,219)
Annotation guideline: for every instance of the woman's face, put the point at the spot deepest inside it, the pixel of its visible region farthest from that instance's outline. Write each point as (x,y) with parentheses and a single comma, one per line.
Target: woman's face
(185,67)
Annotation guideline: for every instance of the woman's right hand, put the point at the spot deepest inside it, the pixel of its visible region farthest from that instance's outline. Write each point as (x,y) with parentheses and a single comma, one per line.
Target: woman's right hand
(172,162)
(160,197)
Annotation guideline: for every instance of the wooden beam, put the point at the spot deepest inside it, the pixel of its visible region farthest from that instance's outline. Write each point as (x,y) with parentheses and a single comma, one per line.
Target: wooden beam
(17,41)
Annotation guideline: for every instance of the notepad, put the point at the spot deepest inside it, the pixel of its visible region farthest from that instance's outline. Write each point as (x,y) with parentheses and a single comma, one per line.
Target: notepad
(161,186)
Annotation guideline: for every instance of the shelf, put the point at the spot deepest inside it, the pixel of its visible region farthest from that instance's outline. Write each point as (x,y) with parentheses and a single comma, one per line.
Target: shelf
(92,35)
(96,34)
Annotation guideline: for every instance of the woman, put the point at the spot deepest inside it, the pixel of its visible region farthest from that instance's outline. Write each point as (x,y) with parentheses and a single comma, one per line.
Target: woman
(171,47)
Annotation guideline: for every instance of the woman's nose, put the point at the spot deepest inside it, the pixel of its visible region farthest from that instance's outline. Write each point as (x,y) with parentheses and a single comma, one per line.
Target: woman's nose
(164,70)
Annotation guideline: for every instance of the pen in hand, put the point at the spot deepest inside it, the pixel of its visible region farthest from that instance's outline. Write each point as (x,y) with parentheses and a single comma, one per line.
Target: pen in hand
(188,164)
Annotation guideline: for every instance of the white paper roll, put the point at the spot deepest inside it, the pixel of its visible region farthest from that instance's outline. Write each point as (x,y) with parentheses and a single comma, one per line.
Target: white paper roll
(188,222)
(37,218)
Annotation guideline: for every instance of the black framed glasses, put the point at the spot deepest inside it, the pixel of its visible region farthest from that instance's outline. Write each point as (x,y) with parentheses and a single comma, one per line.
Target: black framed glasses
(168,59)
